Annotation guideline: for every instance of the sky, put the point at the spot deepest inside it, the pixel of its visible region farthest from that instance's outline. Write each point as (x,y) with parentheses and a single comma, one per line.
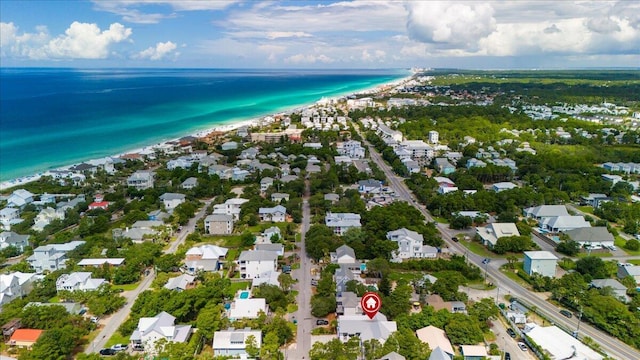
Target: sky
(320,34)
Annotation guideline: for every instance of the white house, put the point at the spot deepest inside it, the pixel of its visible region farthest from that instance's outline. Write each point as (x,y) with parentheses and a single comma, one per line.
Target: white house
(20,198)
(99,262)
(491,233)
(9,238)
(232,342)
(367,329)
(205,257)
(559,344)
(266,236)
(410,245)
(279,197)
(434,137)
(161,326)
(189,183)
(275,214)
(172,200)
(229,145)
(51,257)
(540,262)
(502,186)
(230,207)
(9,216)
(15,285)
(265,183)
(218,224)
(141,179)
(180,283)
(417,148)
(253,263)
(81,281)
(343,255)
(46,216)
(626,269)
(545,211)
(369,186)
(341,222)
(563,223)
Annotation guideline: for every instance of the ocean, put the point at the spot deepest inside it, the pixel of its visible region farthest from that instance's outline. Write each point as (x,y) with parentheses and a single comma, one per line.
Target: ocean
(55,117)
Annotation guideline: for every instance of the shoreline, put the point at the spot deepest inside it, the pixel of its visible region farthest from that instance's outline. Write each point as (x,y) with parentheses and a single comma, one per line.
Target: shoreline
(226,126)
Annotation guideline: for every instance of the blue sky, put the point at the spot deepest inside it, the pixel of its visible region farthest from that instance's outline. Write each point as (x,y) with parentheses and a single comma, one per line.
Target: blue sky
(320,34)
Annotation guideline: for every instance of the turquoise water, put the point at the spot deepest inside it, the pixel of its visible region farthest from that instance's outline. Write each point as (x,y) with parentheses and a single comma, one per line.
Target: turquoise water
(55,117)
(244,295)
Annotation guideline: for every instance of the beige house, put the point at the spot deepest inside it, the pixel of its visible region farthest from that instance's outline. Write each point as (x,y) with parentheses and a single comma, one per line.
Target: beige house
(218,224)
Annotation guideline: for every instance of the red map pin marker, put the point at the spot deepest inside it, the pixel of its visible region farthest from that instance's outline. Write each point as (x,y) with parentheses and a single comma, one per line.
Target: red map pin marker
(371,303)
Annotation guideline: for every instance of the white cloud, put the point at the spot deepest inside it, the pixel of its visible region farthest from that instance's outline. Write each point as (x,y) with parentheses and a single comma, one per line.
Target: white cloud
(129,9)
(286,34)
(80,41)
(160,51)
(308,59)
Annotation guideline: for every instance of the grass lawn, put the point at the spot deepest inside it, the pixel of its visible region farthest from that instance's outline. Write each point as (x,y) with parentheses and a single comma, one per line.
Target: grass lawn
(291,308)
(117,338)
(634,261)
(585,209)
(596,254)
(233,241)
(620,242)
(408,276)
(478,249)
(54,299)
(511,274)
(441,220)
(127,287)
(233,254)
(241,285)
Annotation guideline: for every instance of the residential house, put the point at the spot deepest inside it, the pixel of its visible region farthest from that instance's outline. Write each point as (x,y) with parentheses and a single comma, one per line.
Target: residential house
(473,352)
(369,186)
(392,356)
(141,179)
(269,278)
(594,200)
(353,149)
(72,308)
(25,338)
(158,215)
(250,153)
(265,184)
(15,285)
(348,303)
(434,137)
(267,236)
(289,178)
(142,230)
(279,197)
(183,162)
(333,198)
(81,281)
(51,257)
(161,326)
(558,344)
(490,234)
(545,211)
(172,200)
(9,216)
(417,148)
(439,354)
(618,290)
(222,171)
(19,198)
(218,224)
(181,283)
(189,183)
(9,238)
(230,207)
(502,186)
(253,263)
(46,216)
(388,135)
(413,167)
(205,257)
(444,166)
(276,248)
(104,205)
(435,338)
(238,174)
(229,145)
(592,237)
(232,342)
(563,223)
(473,162)
(540,262)
(111,262)
(410,245)
(343,255)
(625,269)
(274,214)
(378,328)
(341,222)
(247,308)
(342,276)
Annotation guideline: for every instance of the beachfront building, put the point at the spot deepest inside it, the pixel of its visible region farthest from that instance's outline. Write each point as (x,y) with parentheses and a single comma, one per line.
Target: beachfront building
(19,198)
(9,216)
(233,342)
(141,179)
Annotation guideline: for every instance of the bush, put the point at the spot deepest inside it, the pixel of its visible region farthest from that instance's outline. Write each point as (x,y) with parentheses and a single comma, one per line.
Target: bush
(633,245)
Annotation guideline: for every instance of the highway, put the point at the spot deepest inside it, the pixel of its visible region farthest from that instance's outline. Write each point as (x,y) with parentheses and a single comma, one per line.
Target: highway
(113,322)
(612,346)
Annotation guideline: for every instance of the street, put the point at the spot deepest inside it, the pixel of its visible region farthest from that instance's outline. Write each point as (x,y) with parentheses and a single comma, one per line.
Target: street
(300,349)
(113,322)
(612,346)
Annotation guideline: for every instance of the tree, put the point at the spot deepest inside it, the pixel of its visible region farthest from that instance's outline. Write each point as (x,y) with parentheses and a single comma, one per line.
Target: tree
(274,296)
(54,344)
(568,247)
(484,310)
(251,346)
(460,222)
(323,306)
(632,244)
(336,350)
(210,320)
(592,266)
(286,281)
(461,331)
(269,349)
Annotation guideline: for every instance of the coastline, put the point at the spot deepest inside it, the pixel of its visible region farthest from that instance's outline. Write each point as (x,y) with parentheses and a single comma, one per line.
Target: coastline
(226,126)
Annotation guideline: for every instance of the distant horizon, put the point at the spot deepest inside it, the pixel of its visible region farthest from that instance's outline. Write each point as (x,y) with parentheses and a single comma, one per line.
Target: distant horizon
(327,69)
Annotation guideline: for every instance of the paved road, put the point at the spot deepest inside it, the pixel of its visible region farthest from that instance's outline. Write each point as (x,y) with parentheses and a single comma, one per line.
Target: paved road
(300,349)
(612,346)
(113,322)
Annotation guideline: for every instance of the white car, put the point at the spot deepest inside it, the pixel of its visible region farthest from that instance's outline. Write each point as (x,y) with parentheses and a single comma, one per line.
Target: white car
(522,346)
(119,347)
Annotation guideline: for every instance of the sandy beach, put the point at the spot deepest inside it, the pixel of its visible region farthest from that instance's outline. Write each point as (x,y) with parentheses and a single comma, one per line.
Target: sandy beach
(226,127)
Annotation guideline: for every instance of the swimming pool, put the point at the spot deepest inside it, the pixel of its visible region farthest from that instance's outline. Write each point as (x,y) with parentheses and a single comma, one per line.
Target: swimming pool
(244,295)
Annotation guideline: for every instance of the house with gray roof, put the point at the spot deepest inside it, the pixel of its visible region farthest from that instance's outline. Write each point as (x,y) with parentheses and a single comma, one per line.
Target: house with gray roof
(279,197)
(444,166)
(141,179)
(618,290)
(255,262)
(378,328)
(369,186)
(219,224)
(343,255)
(490,234)
(9,216)
(392,356)
(233,342)
(557,224)
(545,211)
(265,183)
(172,200)
(275,214)
(410,245)
(277,248)
(9,238)
(333,198)
(626,269)
(161,326)
(205,257)
(78,281)
(51,257)
(592,237)
(341,222)
(189,183)
(181,283)
(348,303)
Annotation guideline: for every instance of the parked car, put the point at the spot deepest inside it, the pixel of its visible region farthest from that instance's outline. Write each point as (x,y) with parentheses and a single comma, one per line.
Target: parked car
(511,332)
(107,352)
(522,346)
(507,356)
(137,347)
(566,313)
(94,319)
(455,239)
(322,322)
(119,347)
